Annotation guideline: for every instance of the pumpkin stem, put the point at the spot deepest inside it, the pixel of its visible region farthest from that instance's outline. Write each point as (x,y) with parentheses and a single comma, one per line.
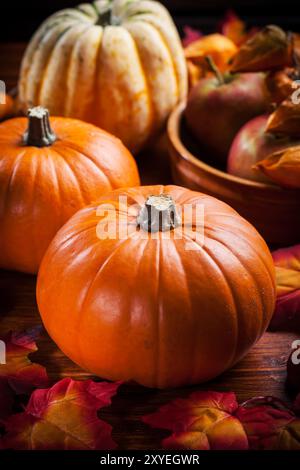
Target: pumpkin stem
(39,132)
(158,214)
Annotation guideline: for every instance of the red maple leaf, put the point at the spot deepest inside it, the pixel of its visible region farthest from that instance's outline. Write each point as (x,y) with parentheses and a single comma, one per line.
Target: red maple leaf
(203,421)
(269,424)
(63,417)
(18,375)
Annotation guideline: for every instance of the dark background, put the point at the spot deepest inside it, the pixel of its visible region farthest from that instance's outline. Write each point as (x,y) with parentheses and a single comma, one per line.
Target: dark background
(20,19)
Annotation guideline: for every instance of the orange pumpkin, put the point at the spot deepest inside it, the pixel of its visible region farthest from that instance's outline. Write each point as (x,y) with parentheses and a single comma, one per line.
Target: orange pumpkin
(161,308)
(46,175)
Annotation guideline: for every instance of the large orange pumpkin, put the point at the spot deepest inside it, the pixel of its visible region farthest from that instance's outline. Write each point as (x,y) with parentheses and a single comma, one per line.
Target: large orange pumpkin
(161,308)
(46,175)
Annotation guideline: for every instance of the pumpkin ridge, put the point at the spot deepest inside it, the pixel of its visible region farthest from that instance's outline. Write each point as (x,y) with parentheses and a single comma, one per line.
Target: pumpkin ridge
(158,316)
(69,67)
(78,89)
(57,32)
(72,237)
(228,229)
(6,199)
(80,193)
(89,288)
(230,290)
(151,19)
(77,149)
(31,49)
(190,309)
(57,184)
(247,270)
(15,167)
(147,87)
(54,86)
(35,233)
(158,113)
(171,56)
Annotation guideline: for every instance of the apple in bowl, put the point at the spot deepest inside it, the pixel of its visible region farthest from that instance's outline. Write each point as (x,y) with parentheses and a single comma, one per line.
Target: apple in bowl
(219,106)
(253,144)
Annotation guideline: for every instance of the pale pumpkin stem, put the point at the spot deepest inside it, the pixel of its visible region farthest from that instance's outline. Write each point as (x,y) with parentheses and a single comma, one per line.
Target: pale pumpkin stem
(213,67)
(39,132)
(158,214)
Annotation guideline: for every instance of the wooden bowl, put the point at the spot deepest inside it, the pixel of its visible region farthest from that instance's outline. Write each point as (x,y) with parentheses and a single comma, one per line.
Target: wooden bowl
(273,210)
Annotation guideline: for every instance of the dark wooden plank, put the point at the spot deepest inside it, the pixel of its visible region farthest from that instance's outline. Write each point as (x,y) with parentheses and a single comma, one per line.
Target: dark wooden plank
(262,372)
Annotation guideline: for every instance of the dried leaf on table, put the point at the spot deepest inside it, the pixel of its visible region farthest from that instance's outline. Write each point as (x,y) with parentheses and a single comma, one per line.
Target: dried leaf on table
(18,375)
(63,417)
(269,424)
(203,421)
(287,311)
(269,49)
(19,372)
(283,167)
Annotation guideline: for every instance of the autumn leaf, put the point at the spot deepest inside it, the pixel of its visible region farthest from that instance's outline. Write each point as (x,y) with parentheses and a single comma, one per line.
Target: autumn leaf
(19,372)
(285,120)
(269,424)
(63,417)
(203,421)
(18,375)
(220,48)
(190,35)
(287,311)
(235,29)
(269,49)
(282,167)
(281,84)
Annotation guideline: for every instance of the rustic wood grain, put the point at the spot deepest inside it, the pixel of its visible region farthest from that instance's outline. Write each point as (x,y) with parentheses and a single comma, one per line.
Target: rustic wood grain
(262,372)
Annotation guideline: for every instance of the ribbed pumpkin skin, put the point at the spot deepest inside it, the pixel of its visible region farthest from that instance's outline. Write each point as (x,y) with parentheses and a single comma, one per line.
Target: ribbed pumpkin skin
(124,73)
(149,310)
(41,188)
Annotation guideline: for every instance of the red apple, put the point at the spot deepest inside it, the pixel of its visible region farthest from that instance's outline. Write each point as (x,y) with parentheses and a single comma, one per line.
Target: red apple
(251,145)
(219,106)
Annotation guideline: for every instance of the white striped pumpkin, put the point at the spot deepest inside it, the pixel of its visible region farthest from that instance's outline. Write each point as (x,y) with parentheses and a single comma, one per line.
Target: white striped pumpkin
(116,63)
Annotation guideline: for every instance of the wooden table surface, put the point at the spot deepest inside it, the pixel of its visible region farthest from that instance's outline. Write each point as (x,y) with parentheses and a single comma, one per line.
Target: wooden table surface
(262,372)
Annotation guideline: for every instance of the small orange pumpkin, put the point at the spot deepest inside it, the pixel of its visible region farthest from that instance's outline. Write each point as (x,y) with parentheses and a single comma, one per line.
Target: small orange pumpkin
(143,306)
(46,175)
